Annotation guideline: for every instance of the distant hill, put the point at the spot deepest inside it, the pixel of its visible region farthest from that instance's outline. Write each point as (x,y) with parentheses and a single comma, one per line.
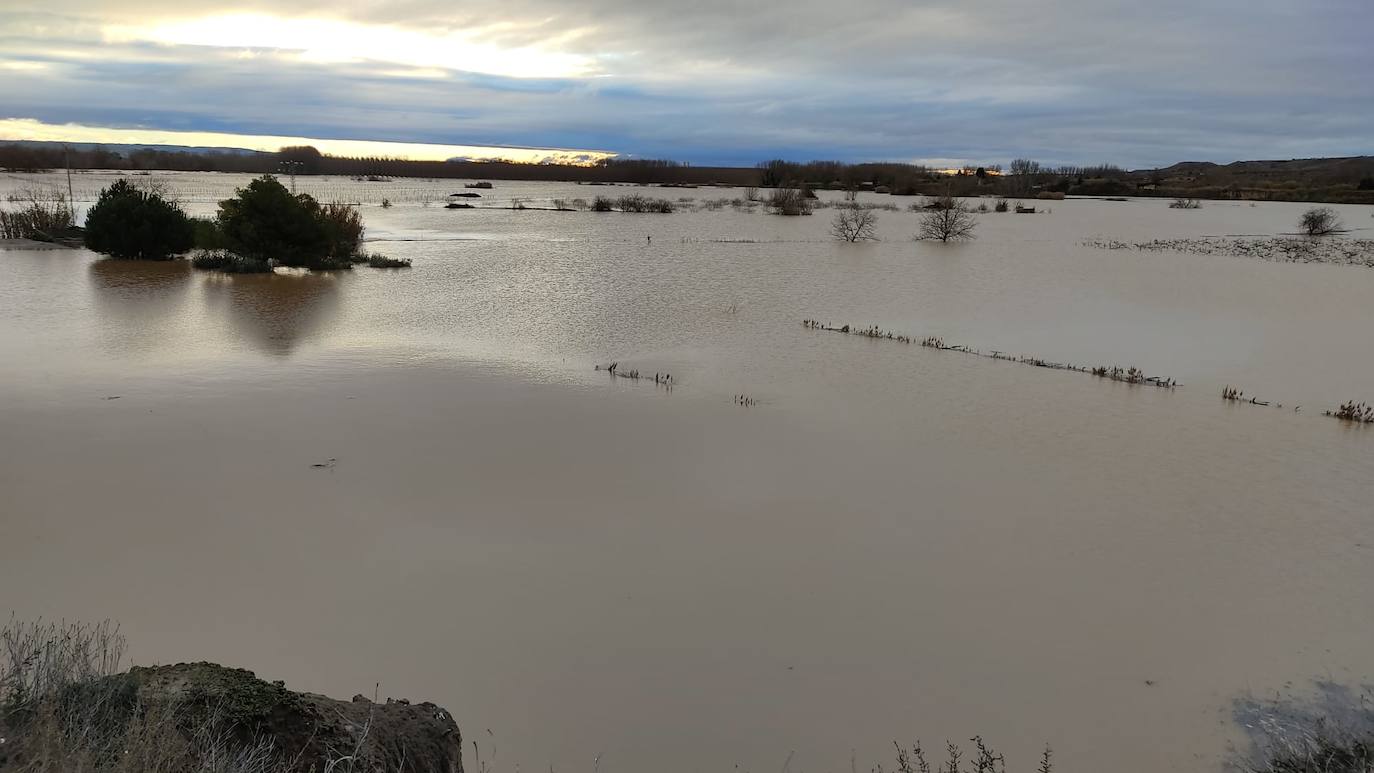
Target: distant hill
(1349,179)
(1324,168)
(126,149)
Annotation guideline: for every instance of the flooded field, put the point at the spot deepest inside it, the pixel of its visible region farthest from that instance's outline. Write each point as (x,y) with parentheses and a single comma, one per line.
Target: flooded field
(419,478)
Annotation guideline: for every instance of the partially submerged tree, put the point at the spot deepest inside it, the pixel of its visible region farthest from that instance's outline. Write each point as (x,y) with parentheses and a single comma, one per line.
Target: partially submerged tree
(265,222)
(1319,221)
(265,225)
(947,218)
(129,222)
(853,224)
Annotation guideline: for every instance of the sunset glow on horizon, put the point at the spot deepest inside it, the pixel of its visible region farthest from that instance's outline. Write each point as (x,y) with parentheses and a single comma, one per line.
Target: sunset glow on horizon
(28,129)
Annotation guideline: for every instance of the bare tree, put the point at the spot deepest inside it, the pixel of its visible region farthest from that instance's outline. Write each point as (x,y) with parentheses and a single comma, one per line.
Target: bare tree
(1319,221)
(1023,172)
(853,224)
(949,219)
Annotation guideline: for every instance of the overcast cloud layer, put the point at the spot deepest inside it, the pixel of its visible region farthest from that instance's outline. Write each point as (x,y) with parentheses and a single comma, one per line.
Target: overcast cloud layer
(1136,82)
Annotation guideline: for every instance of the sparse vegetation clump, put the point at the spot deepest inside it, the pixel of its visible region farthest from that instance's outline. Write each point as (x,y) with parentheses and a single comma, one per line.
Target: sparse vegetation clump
(1331,731)
(637,203)
(43,217)
(854,224)
(382,261)
(1319,221)
(947,219)
(983,759)
(1360,413)
(229,263)
(603,204)
(1002,206)
(132,223)
(789,201)
(1185,203)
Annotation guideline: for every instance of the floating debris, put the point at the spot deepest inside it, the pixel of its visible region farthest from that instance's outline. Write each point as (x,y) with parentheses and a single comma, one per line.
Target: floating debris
(1279,249)
(1360,413)
(1234,395)
(327,464)
(1130,375)
(746,401)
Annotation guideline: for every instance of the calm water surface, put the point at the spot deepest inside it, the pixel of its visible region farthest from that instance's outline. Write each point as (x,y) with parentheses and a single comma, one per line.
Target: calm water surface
(895,543)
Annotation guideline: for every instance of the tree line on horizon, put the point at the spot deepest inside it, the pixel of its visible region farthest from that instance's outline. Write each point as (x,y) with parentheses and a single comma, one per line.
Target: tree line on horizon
(1349,180)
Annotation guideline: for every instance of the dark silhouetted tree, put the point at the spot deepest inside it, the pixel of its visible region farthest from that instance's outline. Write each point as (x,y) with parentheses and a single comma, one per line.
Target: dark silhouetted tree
(128,222)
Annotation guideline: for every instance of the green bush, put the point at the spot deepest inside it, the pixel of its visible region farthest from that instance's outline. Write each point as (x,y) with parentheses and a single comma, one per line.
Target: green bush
(265,222)
(343,225)
(207,234)
(128,222)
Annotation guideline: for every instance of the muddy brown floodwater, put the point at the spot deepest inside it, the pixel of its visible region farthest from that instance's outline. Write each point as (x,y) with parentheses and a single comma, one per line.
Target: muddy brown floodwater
(889,542)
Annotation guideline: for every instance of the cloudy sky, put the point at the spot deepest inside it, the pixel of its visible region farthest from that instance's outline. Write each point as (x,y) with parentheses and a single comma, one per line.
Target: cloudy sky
(1135,82)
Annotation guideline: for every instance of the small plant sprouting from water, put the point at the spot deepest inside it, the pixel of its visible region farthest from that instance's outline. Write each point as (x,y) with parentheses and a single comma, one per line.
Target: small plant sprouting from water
(746,401)
(984,759)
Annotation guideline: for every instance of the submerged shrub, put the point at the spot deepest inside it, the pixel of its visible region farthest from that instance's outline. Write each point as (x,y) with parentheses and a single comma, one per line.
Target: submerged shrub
(382,261)
(128,222)
(789,201)
(229,263)
(603,204)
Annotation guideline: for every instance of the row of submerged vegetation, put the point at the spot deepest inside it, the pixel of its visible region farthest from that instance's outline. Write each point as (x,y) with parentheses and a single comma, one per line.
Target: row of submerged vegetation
(1352,411)
(261,227)
(1129,375)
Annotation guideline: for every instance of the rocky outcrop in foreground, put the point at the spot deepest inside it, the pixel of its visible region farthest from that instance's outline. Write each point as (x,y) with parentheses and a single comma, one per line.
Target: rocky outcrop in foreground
(185,715)
(307,728)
